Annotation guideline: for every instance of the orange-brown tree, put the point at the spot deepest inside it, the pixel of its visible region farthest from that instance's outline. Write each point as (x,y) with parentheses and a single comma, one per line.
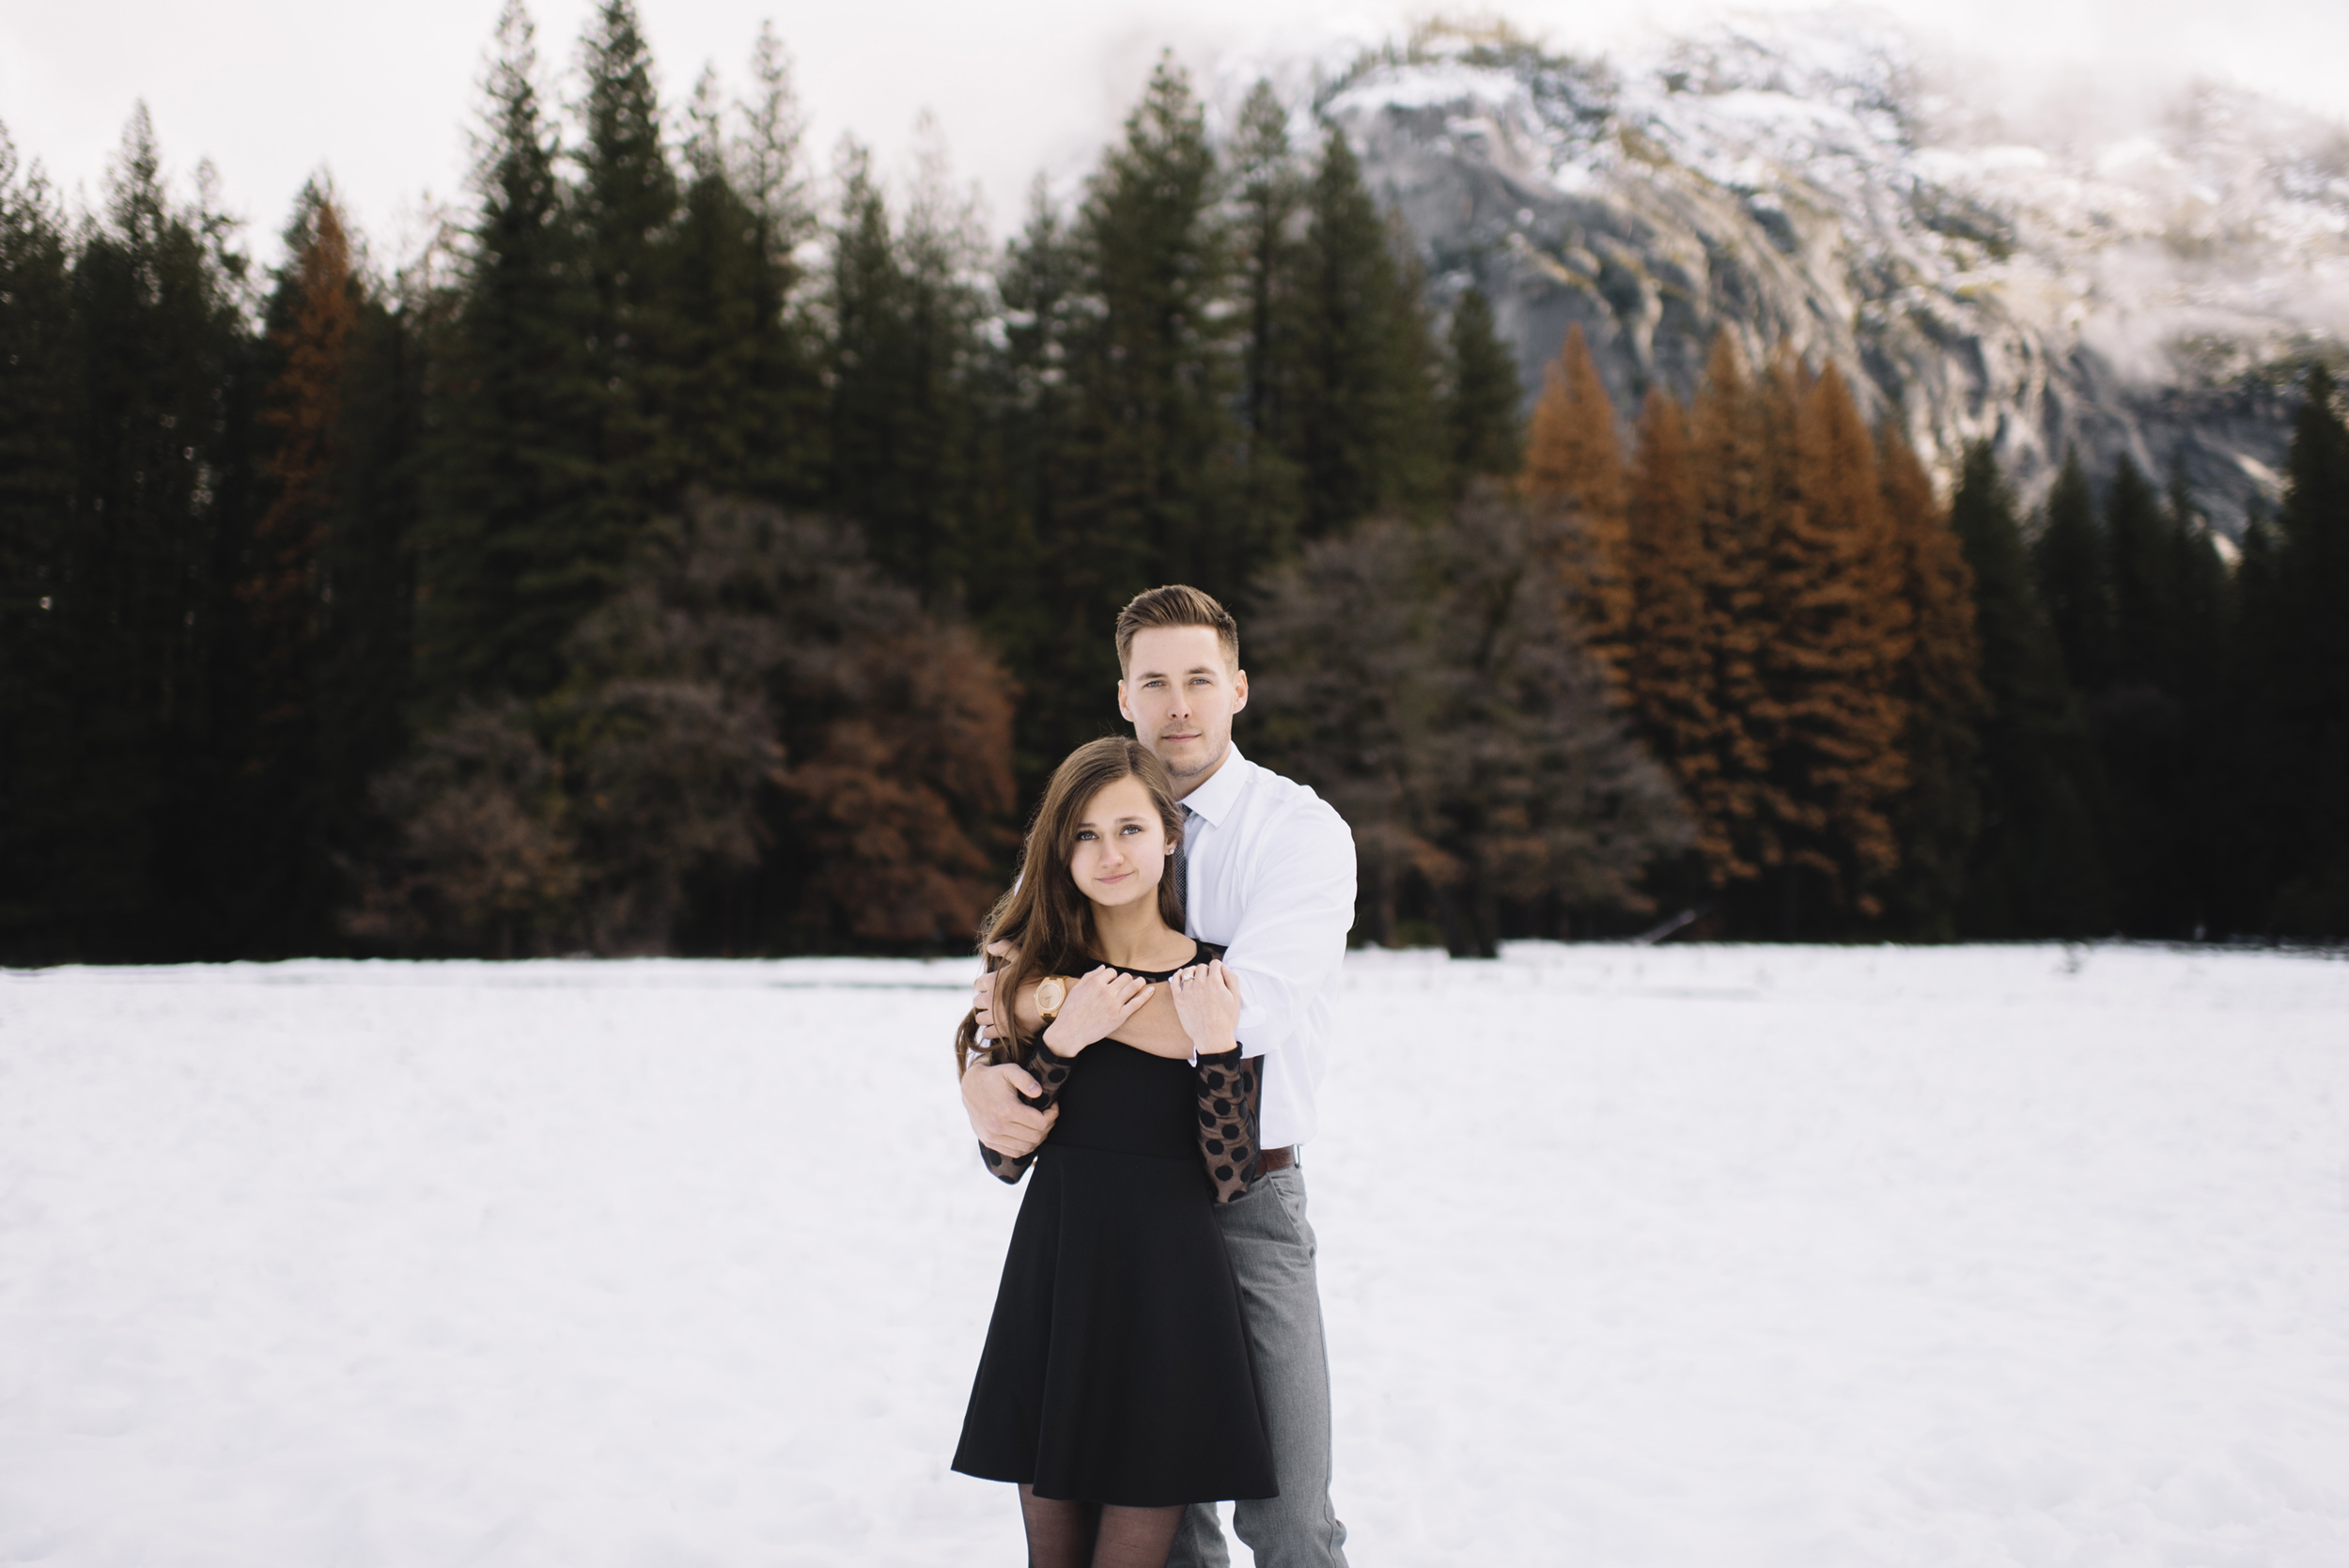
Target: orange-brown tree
(1726,452)
(1574,461)
(1836,633)
(281,592)
(1668,678)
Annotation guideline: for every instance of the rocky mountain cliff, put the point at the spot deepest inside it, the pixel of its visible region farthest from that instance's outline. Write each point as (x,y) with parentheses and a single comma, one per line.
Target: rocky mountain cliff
(2156,294)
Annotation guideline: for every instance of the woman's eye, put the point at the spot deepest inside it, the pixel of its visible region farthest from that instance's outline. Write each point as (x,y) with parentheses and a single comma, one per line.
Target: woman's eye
(1083,833)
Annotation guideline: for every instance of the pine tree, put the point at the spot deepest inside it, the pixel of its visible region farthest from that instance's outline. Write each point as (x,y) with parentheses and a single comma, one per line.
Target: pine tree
(904,340)
(783,396)
(2143,580)
(509,555)
(1838,632)
(942,244)
(2294,688)
(1668,677)
(282,590)
(1726,449)
(2073,564)
(163,484)
(2037,868)
(1364,440)
(722,308)
(310,328)
(1418,471)
(1269,195)
(1485,434)
(1149,485)
(1939,818)
(1574,459)
(626,204)
(2143,729)
(366,679)
(41,395)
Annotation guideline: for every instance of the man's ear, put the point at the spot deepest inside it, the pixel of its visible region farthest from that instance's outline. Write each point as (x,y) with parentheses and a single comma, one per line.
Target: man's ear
(1239,690)
(1123,711)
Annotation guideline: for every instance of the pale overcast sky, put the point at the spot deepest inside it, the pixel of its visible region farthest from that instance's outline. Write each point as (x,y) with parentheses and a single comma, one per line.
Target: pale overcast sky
(381,95)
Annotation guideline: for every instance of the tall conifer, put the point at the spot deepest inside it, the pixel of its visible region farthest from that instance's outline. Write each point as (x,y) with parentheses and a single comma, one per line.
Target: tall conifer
(1669,675)
(1838,632)
(1726,442)
(163,487)
(1574,459)
(2037,869)
(40,394)
(626,204)
(2074,569)
(2292,687)
(1364,440)
(1486,435)
(512,518)
(283,590)
(1148,486)
(1269,194)
(1939,816)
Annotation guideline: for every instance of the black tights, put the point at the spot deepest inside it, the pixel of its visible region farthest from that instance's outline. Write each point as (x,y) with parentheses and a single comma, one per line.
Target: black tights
(1095,1535)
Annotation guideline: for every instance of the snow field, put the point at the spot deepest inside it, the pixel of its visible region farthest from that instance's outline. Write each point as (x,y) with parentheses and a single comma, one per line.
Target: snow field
(1679,1256)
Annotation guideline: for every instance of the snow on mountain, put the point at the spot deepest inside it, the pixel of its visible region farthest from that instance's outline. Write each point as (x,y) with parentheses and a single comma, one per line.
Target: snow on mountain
(2155,292)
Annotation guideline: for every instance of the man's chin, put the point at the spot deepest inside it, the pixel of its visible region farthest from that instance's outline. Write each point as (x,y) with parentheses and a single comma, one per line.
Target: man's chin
(1187,762)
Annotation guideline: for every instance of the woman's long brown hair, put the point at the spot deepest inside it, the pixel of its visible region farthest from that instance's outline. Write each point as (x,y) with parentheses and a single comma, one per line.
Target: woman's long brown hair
(1046,915)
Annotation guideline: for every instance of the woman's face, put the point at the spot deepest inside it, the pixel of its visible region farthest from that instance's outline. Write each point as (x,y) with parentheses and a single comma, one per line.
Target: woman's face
(1121,846)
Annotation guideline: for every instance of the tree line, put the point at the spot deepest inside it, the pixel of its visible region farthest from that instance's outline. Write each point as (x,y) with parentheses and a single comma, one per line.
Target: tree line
(1889,716)
(663,558)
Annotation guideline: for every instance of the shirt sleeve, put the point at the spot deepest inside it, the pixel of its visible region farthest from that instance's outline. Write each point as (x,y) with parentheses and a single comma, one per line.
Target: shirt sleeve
(1291,940)
(1052,1072)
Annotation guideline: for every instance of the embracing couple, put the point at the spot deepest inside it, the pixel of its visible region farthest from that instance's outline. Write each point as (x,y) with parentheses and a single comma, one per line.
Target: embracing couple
(1145,1048)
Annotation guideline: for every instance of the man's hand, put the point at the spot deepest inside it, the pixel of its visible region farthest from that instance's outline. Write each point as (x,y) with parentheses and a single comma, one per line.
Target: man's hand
(990,1097)
(1023,1006)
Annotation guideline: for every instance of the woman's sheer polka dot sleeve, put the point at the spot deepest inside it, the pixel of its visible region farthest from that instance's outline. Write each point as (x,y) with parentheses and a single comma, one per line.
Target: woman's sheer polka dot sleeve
(1231,1098)
(1052,1072)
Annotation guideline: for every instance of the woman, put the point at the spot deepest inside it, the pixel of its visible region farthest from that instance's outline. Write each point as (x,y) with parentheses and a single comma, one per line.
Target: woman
(1115,1388)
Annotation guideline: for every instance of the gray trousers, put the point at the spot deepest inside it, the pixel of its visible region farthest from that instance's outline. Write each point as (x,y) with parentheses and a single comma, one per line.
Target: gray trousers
(1272,1253)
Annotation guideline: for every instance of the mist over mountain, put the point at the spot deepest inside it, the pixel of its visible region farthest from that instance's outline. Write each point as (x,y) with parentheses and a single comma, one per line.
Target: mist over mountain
(1819,181)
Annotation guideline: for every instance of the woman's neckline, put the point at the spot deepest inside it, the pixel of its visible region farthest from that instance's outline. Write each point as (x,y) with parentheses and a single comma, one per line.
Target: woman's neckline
(1197,947)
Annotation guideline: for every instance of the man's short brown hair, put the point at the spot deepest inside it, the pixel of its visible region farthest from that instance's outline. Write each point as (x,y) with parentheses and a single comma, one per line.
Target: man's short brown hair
(1177,604)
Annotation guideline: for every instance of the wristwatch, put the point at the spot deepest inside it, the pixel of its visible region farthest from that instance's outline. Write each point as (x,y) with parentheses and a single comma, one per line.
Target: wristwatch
(1050,992)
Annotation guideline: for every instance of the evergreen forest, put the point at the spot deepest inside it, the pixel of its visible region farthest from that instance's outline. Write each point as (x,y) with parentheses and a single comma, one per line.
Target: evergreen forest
(682,552)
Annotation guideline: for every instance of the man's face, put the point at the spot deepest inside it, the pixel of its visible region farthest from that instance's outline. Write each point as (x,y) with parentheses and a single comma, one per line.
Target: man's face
(1179,695)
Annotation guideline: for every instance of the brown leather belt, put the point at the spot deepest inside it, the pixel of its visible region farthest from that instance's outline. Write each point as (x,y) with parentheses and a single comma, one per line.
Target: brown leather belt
(1276,1159)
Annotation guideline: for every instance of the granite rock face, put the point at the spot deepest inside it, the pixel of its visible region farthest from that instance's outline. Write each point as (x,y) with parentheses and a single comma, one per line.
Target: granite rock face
(2158,295)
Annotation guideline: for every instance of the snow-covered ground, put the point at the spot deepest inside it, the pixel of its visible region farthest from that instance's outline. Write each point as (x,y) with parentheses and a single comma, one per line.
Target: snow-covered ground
(1695,1257)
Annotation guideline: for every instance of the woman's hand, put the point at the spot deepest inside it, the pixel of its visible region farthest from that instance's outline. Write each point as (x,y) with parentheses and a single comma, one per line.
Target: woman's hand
(1206,1000)
(1098,1005)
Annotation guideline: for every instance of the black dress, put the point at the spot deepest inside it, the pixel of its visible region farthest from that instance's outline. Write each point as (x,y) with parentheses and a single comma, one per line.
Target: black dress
(1116,1368)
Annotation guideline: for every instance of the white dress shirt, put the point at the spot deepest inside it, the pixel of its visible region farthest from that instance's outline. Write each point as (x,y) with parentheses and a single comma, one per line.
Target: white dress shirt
(1269,874)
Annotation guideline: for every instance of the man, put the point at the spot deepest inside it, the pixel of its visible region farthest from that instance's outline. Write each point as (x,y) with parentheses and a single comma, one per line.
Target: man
(1268,872)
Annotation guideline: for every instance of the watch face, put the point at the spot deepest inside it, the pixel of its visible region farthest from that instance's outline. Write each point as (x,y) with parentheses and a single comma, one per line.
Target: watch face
(1049,996)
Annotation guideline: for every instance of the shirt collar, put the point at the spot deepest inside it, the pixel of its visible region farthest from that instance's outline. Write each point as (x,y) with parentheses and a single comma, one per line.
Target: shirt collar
(1215,799)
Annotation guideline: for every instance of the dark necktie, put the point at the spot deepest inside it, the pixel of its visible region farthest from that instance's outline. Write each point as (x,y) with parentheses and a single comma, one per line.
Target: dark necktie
(1181,870)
